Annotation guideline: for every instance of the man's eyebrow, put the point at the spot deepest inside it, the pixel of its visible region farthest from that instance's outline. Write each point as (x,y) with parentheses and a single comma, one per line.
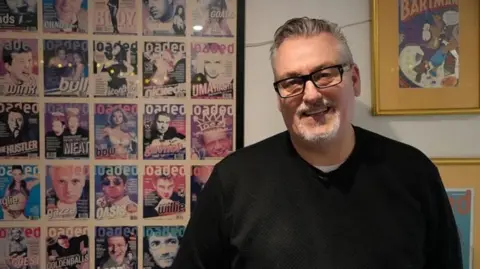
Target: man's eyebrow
(297,74)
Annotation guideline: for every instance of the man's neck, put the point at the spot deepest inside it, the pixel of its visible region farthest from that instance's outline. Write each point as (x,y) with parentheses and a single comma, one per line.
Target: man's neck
(327,153)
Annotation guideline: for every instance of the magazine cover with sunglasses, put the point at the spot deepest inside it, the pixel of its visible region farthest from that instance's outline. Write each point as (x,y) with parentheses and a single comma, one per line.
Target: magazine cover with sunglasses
(164,192)
(67,247)
(160,245)
(116,192)
(20,248)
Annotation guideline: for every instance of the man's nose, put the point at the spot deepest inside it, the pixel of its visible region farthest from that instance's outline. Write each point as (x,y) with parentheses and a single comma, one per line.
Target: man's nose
(311,93)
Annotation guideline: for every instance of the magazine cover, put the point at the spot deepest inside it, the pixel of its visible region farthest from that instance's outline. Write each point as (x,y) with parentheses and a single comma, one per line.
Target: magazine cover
(67,192)
(21,248)
(160,245)
(199,176)
(67,247)
(164,192)
(214,18)
(116,192)
(115,69)
(461,201)
(65,68)
(164,128)
(18,67)
(19,130)
(116,247)
(18,16)
(115,17)
(428,51)
(164,69)
(116,131)
(66,131)
(65,16)
(164,18)
(213,70)
(19,192)
(212,131)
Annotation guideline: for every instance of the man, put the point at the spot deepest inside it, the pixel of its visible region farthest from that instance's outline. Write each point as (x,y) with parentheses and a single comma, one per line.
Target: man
(115,203)
(324,194)
(18,61)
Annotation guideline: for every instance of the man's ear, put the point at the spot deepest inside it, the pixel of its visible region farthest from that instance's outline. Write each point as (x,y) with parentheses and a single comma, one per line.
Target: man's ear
(356,82)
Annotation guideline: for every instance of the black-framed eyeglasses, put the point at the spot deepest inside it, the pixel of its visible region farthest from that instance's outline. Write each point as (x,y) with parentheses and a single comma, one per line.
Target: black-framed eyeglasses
(323,78)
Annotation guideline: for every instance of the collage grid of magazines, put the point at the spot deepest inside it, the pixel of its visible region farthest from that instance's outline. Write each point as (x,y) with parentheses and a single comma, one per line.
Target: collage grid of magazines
(112,115)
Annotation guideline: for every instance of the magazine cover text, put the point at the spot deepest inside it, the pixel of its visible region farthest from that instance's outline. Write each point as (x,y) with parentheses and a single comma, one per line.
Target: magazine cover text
(160,245)
(19,67)
(65,68)
(164,18)
(429,44)
(116,192)
(67,192)
(216,18)
(18,15)
(116,247)
(67,247)
(115,69)
(212,131)
(66,131)
(20,192)
(19,130)
(21,248)
(65,16)
(164,128)
(164,69)
(199,177)
(461,201)
(116,131)
(213,70)
(164,192)
(115,17)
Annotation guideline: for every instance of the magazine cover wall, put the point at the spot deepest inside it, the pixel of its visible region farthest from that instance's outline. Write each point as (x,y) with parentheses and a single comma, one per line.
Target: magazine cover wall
(112,116)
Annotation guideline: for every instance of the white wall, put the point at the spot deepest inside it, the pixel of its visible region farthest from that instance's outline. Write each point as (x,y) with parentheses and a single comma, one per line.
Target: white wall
(437,136)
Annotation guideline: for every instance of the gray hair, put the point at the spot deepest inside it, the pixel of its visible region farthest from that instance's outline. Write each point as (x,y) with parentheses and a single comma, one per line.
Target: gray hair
(308,27)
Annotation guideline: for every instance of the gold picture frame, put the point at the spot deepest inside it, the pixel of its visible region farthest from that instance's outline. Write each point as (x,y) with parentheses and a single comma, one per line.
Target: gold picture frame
(406,69)
(463,174)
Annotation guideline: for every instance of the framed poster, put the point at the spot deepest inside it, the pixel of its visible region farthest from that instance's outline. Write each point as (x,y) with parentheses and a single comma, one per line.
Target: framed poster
(460,177)
(418,66)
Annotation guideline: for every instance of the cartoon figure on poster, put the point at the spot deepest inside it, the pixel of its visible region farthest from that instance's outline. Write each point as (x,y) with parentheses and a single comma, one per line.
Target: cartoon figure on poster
(429,45)
(115,69)
(164,69)
(164,192)
(66,126)
(116,131)
(19,130)
(67,247)
(164,128)
(19,192)
(199,177)
(212,131)
(65,67)
(116,247)
(164,18)
(65,16)
(67,192)
(214,18)
(19,67)
(115,17)
(212,70)
(116,192)
(160,245)
(18,15)
(20,247)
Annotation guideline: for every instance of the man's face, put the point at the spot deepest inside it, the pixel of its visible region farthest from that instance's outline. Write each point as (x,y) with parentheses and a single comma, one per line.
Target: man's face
(73,123)
(158,8)
(117,247)
(306,116)
(62,55)
(113,187)
(217,143)
(162,123)
(68,183)
(164,188)
(16,234)
(64,243)
(163,249)
(15,122)
(57,127)
(67,7)
(17,175)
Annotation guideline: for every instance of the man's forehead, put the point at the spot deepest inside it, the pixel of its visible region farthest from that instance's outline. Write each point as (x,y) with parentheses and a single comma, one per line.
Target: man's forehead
(15,115)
